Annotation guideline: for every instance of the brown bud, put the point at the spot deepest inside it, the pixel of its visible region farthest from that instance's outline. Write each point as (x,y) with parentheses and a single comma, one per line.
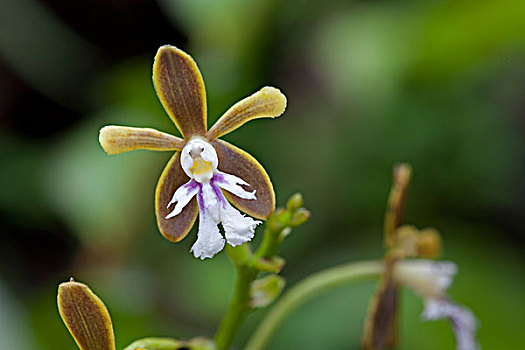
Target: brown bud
(428,243)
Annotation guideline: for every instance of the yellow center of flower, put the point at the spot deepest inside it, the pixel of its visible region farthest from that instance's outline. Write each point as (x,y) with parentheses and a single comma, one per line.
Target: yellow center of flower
(199,159)
(201,167)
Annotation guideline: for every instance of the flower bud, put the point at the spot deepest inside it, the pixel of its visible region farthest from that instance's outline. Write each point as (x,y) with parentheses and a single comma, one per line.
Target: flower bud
(406,240)
(300,217)
(274,222)
(295,202)
(265,290)
(428,243)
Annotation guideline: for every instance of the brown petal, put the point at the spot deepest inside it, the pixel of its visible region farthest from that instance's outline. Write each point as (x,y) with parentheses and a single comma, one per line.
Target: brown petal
(380,325)
(173,177)
(117,139)
(395,211)
(180,88)
(235,161)
(268,102)
(86,317)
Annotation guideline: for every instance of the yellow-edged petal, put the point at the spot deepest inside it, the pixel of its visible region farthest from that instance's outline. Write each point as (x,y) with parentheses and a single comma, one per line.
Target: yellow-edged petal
(117,139)
(235,161)
(180,88)
(268,102)
(86,317)
(173,177)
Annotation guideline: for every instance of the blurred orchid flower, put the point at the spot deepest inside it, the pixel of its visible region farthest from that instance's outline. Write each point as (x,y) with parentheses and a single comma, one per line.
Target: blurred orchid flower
(194,179)
(429,279)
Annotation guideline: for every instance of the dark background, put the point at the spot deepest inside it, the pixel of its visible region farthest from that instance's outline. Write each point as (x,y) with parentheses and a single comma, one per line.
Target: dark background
(439,84)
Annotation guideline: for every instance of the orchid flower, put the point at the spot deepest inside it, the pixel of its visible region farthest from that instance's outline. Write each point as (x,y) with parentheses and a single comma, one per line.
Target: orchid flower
(430,280)
(207,174)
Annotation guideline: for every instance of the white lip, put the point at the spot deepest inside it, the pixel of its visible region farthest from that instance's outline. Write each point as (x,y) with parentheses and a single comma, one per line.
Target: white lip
(430,279)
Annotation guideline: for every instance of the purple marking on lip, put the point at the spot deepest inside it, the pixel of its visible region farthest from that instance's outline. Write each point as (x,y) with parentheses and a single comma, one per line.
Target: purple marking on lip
(200,200)
(217,177)
(190,186)
(217,190)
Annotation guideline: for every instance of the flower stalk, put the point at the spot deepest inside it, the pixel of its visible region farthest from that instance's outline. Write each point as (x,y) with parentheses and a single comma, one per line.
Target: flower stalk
(307,289)
(249,264)
(239,306)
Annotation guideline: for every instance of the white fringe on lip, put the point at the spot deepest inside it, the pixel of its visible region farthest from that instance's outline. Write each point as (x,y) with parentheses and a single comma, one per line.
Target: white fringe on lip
(215,209)
(431,279)
(463,321)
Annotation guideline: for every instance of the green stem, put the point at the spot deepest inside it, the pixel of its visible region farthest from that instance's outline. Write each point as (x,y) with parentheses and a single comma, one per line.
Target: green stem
(248,265)
(269,244)
(308,288)
(238,309)
(247,270)
(240,303)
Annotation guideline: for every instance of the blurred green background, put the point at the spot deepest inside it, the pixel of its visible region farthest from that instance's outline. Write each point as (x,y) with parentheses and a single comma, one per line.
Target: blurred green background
(439,84)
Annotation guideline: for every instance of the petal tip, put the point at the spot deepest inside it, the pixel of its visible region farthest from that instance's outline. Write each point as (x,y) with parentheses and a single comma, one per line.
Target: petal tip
(164,49)
(167,47)
(107,140)
(278,98)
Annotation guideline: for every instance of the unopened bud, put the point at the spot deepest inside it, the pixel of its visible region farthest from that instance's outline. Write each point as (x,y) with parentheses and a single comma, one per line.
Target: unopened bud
(428,243)
(283,216)
(265,290)
(274,222)
(300,217)
(295,202)
(285,233)
(406,240)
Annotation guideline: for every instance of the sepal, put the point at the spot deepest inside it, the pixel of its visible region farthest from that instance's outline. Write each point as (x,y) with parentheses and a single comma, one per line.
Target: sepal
(118,139)
(180,88)
(85,316)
